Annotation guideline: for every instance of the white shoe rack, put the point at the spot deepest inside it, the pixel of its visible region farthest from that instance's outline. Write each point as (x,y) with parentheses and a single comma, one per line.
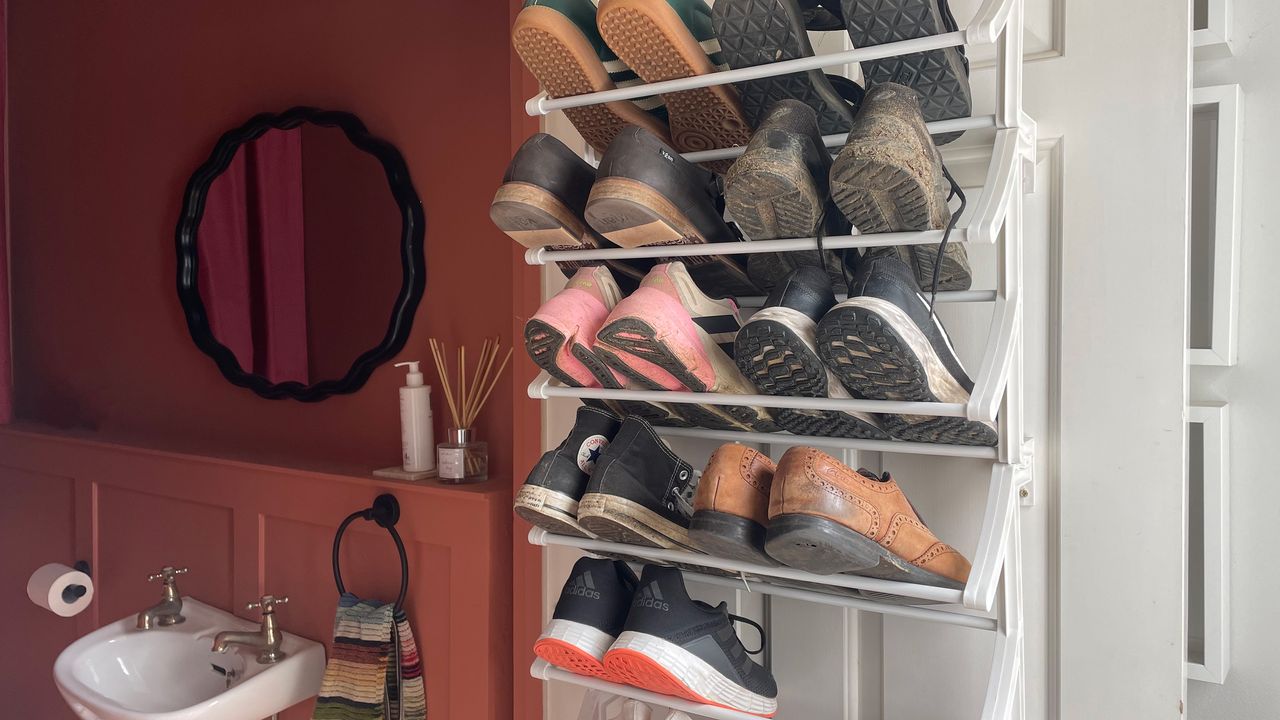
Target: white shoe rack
(992,599)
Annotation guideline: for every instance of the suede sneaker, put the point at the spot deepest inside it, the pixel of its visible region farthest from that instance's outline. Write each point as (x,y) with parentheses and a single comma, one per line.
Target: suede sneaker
(589,616)
(889,177)
(674,645)
(664,40)
(885,343)
(669,335)
(560,44)
(640,492)
(777,352)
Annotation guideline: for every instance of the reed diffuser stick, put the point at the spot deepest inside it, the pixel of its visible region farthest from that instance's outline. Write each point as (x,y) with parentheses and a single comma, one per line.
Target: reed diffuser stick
(466,396)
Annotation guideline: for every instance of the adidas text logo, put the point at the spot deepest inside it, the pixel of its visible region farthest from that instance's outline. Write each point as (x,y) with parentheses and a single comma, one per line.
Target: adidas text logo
(583,586)
(651,597)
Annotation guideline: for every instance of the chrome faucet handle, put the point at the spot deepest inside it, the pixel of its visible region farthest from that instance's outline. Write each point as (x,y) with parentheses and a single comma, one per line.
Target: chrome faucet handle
(267,603)
(167,573)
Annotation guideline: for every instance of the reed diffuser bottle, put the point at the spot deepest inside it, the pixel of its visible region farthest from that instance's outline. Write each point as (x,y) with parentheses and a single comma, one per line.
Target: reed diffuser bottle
(462,458)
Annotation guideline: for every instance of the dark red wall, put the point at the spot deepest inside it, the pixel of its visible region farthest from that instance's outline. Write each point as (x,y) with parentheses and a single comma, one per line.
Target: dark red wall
(113,105)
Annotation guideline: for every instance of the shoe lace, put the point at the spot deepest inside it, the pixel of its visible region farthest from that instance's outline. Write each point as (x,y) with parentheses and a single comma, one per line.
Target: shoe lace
(754,624)
(956,191)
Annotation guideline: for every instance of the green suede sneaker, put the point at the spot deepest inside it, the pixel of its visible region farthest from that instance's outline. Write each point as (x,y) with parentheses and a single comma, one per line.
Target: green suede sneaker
(675,39)
(559,43)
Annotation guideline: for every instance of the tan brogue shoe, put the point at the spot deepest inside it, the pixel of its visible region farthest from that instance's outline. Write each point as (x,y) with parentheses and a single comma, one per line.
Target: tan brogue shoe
(825,518)
(731,507)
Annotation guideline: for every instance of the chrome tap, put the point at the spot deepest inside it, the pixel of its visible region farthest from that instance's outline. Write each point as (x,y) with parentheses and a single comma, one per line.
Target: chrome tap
(268,638)
(169,610)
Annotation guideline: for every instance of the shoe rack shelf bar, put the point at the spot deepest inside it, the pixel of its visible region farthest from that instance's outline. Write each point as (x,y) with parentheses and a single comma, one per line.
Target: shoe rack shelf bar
(992,598)
(988,26)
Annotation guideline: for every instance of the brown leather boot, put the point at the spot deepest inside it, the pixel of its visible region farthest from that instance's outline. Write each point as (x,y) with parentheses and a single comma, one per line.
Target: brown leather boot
(825,518)
(731,507)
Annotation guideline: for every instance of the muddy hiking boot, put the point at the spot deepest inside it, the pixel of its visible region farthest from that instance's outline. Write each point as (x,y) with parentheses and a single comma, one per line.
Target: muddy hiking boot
(589,616)
(675,645)
(540,204)
(731,509)
(940,77)
(889,177)
(674,39)
(777,351)
(646,194)
(825,518)
(885,343)
(779,189)
(560,44)
(669,335)
(759,32)
(549,497)
(640,492)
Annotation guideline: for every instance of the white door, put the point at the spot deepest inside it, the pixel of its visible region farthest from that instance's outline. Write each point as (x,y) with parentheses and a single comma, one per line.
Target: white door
(1105,281)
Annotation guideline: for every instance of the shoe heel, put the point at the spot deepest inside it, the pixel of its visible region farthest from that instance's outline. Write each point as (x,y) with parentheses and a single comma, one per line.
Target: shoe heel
(631,214)
(729,536)
(820,546)
(534,217)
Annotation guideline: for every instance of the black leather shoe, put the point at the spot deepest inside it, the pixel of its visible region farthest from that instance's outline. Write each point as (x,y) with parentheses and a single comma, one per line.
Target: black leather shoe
(885,344)
(640,493)
(647,194)
(540,204)
(776,350)
(549,497)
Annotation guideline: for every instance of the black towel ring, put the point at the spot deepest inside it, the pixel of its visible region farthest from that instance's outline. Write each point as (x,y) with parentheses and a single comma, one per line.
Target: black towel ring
(385,512)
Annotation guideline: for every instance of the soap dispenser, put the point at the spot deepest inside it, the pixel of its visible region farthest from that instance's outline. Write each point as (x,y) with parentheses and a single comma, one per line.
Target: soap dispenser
(417,435)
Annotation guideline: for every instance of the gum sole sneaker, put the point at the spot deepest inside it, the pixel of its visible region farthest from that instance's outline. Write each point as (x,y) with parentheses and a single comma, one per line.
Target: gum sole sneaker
(640,492)
(824,518)
(559,336)
(659,334)
(677,646)
(549,497)
(731,507)
(940,77)
(776,350)
(888,178)
(589,616)
(560,44)
(674,39)
(758,32)
(884,344)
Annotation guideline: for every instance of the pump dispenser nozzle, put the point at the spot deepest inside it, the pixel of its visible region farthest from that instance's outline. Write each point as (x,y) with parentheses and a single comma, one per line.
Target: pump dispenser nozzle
(414,377)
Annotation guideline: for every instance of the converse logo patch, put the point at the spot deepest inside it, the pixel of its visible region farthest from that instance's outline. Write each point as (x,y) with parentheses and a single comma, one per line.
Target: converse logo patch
(583,586)
(651,597)
(589,452)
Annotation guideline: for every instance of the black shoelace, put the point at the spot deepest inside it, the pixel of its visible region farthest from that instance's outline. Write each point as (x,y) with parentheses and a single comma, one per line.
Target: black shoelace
(754,624)
(956,191)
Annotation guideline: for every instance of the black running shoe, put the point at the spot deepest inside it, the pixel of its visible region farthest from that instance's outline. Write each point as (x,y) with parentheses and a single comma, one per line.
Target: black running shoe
(884,343)
(758,32)
(940,77)
(776,351)
(641,493)
(589,616)
(673,645)
(549,498)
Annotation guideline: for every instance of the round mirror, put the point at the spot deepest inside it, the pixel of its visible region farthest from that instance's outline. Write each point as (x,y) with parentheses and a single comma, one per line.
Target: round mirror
(300,260)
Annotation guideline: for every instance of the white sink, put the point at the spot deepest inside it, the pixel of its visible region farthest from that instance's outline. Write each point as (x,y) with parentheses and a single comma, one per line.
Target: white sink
(168,673)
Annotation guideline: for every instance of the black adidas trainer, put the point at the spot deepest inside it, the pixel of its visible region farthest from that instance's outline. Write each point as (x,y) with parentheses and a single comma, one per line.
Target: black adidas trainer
(641,493)
(777,352)
(674,645)
(884,343)
(589,616)
(549,497)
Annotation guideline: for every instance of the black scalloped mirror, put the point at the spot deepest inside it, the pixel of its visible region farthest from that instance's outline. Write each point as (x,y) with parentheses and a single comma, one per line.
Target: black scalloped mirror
(300,258)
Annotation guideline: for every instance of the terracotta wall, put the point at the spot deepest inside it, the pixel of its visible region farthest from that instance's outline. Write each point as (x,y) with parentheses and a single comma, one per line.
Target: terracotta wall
(115,104)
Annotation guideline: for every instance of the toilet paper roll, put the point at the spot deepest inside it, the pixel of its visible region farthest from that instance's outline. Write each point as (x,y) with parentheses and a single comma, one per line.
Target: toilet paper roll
(60,590)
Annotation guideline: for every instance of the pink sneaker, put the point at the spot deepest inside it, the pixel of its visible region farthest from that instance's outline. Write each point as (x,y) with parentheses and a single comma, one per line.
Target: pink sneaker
(558,337)
(669,335)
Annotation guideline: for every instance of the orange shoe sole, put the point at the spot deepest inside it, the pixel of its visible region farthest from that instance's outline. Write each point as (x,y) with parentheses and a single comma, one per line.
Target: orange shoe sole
(654,42)
(570,657)
(639,670)
(565,64)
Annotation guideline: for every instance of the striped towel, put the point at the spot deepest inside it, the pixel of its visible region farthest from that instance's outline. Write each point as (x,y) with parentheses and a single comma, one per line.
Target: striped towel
(360,681)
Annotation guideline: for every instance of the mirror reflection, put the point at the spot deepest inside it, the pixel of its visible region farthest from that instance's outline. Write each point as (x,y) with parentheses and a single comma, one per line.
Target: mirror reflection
(299,254)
